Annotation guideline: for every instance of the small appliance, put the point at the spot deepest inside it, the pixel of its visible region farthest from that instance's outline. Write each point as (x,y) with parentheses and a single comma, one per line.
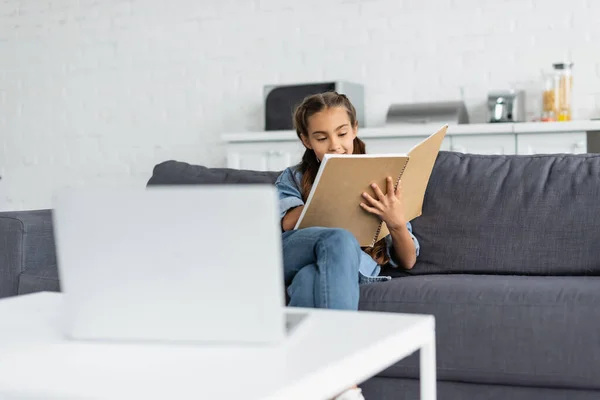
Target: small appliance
(506,106)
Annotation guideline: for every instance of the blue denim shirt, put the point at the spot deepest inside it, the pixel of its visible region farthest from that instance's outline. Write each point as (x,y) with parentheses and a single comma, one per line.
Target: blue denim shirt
(288,187)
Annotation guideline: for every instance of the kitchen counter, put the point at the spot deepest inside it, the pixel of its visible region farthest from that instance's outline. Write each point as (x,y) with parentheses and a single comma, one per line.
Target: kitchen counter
(418,130)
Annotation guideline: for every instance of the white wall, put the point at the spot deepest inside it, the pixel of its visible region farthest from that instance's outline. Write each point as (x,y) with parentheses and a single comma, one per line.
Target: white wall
(99,91)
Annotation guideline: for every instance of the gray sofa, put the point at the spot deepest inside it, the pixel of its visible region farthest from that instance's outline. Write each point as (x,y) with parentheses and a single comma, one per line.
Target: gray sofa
(509,266)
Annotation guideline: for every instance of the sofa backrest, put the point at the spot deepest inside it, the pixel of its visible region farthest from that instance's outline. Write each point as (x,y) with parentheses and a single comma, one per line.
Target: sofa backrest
(515,214)
(484,214)
(180,173)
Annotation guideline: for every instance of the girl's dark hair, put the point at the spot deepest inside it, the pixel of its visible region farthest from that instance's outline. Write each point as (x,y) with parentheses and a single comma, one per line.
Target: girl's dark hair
(309,165)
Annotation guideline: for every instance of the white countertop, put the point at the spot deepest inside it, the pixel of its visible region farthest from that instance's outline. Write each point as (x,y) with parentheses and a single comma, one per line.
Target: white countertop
(414,130)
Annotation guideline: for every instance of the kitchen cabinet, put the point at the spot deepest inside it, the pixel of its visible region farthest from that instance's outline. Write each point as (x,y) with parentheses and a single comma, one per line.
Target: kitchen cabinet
(267,156)
(276,150)
(551,143)
(276,156)
(484,144)
(398,145)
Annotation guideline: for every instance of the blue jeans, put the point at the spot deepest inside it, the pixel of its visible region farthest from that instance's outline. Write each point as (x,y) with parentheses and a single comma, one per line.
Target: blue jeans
(321,268)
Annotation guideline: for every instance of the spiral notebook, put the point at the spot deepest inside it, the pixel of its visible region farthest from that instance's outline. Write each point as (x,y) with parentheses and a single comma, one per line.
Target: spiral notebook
(335,198)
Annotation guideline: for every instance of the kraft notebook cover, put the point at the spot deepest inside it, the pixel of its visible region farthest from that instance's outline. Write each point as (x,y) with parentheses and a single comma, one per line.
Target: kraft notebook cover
(334,200)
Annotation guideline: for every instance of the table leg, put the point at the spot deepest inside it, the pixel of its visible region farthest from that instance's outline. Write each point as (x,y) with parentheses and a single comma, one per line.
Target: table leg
(428,370)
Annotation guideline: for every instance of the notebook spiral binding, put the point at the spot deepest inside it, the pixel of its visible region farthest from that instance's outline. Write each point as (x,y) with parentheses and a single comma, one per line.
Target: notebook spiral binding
(395,187)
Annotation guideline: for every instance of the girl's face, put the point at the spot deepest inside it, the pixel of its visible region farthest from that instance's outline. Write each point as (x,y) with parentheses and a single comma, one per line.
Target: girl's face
(330,132)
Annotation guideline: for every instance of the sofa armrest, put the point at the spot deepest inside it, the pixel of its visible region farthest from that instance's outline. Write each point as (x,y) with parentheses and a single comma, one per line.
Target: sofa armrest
(26,243)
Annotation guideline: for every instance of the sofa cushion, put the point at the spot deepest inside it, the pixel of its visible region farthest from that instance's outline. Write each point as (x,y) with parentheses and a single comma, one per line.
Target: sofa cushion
(181,173)
(11,254)
(387,388)
(521,330)
(39,279)
(28,244)
(532,215)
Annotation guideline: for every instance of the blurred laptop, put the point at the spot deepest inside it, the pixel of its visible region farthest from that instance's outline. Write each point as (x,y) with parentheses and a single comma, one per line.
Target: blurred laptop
(175,263)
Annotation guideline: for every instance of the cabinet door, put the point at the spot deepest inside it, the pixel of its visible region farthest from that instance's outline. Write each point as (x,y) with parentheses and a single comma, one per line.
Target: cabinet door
(552,143)
(256,160)
(278,160)
(484,144)
(264,156)
(398,145)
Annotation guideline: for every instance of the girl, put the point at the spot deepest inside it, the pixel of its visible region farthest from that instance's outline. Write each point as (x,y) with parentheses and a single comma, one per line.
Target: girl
(323,267)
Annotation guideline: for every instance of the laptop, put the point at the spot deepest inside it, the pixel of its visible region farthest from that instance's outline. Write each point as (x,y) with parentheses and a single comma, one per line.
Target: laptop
(175,263)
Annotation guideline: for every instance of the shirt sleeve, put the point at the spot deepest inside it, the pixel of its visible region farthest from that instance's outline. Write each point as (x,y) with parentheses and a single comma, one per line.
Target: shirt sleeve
(288,191)
(390,246)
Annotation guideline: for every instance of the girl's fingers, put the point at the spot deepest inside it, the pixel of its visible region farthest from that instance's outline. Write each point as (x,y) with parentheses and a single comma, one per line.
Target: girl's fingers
(377,191)
(390,186)
(370,199)
(399,190)
(373,202)
(372,210)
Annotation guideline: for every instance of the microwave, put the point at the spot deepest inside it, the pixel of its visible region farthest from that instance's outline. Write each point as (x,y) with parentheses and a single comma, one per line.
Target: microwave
(281,100)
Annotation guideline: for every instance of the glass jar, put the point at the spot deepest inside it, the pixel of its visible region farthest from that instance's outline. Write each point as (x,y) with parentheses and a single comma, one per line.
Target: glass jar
(563,87)
(549,99)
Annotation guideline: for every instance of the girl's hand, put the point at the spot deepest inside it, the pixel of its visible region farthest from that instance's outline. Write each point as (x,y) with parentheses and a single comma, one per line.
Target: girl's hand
(389,207)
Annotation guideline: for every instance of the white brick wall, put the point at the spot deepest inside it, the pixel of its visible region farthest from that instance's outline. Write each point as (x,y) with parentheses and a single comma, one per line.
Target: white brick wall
(99,91)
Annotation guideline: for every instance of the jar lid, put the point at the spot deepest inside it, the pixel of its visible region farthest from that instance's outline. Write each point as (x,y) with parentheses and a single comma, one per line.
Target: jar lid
(562,65)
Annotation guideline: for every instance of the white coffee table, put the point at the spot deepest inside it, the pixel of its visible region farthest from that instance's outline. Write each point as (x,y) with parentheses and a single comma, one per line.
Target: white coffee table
(329,351)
